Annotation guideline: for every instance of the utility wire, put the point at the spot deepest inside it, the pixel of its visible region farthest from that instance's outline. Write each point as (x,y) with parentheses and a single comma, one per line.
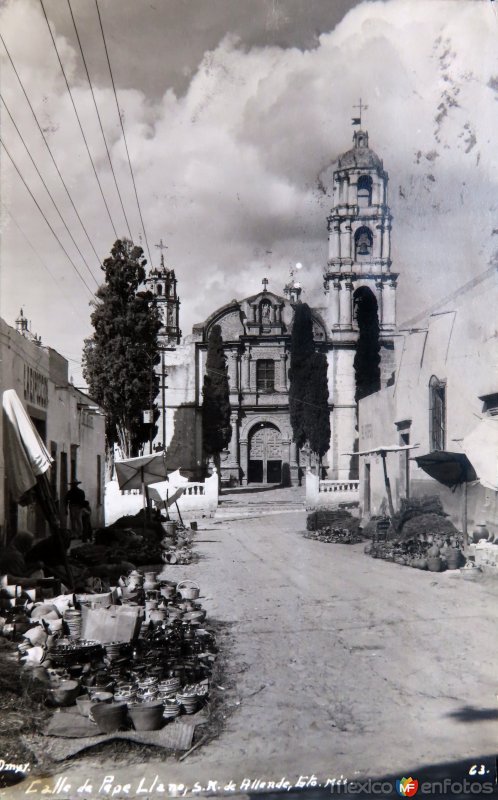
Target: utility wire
(42,262)
(44,217)
(78,118)
(49,149)
(47,189)
(98,115)
(123,130)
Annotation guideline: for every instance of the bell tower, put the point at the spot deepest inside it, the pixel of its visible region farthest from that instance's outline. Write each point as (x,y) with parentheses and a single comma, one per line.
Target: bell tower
(360,237)
(358,274)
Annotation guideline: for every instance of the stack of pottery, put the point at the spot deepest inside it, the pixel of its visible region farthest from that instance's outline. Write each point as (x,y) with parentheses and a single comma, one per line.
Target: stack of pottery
(171,709)
(115,650)
(188,699)
(168,688)
(72,621)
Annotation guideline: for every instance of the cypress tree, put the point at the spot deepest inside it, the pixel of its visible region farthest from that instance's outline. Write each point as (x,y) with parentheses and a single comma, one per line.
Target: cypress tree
(316,410)
(301,352)
(216,428)
(308,391)
(119,358)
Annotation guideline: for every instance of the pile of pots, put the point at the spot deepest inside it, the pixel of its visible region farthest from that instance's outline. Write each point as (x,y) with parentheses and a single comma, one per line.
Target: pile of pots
(432,552)
(145,683)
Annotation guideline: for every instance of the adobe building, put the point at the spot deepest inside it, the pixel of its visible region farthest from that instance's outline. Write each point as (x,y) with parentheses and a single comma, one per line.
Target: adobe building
(71,425)
(256,331)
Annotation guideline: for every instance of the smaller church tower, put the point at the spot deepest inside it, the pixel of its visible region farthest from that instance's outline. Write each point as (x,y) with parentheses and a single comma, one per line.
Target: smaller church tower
(162,283)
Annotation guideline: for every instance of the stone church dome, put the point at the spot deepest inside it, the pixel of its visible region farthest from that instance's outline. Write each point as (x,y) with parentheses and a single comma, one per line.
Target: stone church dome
(361,155)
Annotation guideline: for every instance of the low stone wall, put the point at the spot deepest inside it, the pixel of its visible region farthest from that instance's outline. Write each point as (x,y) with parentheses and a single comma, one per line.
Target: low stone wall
(328,493)
(199,499)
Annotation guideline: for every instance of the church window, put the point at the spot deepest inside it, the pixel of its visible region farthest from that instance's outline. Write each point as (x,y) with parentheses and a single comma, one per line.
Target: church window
(363,242)
(265,311)
(159,289)
(364,191)
(265,375)
(437,413)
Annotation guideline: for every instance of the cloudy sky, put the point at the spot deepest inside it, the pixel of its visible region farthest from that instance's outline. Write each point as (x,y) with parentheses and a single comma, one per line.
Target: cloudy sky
(234,111)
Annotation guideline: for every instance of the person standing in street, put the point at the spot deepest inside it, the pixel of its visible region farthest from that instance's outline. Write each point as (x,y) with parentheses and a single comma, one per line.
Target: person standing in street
(75,501)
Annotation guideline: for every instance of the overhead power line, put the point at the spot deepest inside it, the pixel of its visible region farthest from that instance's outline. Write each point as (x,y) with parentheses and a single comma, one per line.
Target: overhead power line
(123,130)
(46,188)
(45,218)
(99,118)
(42,262)
(78,118)
(49,149)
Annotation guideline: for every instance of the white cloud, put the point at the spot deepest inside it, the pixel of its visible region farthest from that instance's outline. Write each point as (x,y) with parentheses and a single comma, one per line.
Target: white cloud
(229,170)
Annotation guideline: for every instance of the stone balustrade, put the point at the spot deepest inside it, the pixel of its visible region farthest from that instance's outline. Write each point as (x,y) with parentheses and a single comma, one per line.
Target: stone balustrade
(320,493)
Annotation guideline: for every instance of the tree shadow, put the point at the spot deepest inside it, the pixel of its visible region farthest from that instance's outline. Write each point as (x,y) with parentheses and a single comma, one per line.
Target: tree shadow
(472,714)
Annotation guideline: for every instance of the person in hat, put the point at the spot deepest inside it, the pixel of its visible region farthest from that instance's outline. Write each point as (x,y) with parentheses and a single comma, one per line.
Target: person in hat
(75,501)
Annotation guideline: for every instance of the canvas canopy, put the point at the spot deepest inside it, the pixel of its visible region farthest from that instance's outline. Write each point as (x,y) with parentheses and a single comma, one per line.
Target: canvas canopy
(450,469)
(135,473)
(25,454)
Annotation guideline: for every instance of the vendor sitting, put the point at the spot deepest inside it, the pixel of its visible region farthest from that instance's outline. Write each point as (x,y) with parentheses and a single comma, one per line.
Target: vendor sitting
(13,561)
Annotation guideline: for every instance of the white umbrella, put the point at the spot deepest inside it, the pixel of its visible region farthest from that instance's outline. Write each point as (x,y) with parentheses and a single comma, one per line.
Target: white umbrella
(25,454)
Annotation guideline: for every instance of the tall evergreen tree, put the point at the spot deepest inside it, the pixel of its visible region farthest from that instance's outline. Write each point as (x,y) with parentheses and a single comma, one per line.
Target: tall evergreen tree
(308,391)
(316,409)
(119,358)
(216,428)
(367,356)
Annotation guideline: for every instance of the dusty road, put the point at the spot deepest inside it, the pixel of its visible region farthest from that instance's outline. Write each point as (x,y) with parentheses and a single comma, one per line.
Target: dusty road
(342,664)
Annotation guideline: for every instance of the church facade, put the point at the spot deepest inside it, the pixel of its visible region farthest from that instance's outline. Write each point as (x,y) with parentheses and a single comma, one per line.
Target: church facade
(256,332)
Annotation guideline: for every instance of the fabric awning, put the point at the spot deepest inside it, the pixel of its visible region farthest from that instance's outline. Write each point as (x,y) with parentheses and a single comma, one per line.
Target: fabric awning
(389,448)
(134,473)
(25,454)
(450,469)
(481,447)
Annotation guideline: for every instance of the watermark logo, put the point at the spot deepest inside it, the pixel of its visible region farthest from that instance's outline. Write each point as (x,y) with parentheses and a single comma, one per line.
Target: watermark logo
(407,787)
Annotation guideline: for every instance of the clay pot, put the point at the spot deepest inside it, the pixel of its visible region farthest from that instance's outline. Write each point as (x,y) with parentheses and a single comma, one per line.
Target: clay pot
(109,716)
(434,564)
(65,694)
(170,528)
(147,716)
(480,531)
(188,590)
(453,558)
(84,704)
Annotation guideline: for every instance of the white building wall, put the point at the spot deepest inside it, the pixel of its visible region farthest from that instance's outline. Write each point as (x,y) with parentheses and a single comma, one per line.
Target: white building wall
(459,345)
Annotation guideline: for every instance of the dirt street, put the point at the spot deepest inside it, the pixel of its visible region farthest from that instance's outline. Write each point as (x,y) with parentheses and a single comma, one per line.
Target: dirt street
(341,664)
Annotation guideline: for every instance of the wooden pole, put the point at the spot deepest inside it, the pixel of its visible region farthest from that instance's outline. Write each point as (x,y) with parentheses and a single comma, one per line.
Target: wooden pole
(388,485)
(464,517)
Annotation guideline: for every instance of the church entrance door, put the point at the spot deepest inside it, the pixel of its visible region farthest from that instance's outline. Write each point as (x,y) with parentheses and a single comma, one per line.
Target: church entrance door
(265,454)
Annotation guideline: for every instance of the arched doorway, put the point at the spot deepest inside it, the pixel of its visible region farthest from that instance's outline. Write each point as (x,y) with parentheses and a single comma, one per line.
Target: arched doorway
(265,454)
